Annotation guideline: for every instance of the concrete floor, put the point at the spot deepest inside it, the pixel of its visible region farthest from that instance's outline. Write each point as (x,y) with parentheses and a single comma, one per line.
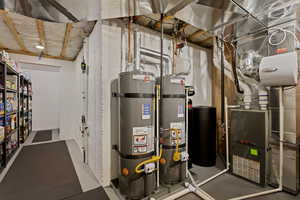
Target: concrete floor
(228,186)
(86,177)
(224,187)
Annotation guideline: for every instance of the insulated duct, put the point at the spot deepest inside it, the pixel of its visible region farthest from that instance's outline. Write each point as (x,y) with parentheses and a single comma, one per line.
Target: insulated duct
(125,8)
(48,10)
(207,14)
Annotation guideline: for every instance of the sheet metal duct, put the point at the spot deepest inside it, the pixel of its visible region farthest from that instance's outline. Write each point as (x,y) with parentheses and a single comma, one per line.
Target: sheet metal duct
(125,8)
(48,10)
(207,14)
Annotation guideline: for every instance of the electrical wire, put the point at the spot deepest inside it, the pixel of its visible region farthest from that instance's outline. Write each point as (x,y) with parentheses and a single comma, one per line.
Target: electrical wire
(284,31)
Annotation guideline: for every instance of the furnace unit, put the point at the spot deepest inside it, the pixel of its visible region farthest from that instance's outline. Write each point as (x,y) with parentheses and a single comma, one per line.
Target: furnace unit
(249,133)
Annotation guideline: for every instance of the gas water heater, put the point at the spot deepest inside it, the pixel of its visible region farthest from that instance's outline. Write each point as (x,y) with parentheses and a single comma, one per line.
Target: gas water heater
(173,163)
(137,177)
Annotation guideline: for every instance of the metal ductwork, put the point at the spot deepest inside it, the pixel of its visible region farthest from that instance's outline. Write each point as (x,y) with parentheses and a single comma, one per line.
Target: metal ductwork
(126,8)
(48,10)
(208,14)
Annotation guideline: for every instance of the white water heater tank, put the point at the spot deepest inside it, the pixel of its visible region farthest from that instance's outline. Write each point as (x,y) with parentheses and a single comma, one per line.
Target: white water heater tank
(279,70)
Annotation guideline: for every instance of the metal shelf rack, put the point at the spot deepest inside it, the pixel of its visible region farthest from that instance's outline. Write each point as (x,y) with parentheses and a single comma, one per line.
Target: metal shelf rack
(7,148)
(25,108)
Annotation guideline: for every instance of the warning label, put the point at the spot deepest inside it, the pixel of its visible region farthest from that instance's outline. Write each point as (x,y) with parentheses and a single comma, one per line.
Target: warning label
(141,138)
(180,112)
(146,111)
(141,130)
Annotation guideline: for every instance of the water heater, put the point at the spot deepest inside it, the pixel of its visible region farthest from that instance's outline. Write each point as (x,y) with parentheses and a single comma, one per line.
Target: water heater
(136,145)
(173,163)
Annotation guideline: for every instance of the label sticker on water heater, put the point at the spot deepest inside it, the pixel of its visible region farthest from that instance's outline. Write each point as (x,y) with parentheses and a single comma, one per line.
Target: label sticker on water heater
(146,111)
(140,140)
(180,112)
(141,130)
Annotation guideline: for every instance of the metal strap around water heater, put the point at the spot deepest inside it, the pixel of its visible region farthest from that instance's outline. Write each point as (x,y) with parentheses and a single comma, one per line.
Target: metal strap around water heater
(174,96)
(134,95)
(173,147)
(126,156)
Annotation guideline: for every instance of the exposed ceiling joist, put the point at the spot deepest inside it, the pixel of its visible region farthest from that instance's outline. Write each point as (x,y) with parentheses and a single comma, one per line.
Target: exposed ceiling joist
(69,28)
(12,28)
(42,34)
(35,54)
(184,27)
(165,18)
(196,34)
(63,10)
(206,40)
(2,46)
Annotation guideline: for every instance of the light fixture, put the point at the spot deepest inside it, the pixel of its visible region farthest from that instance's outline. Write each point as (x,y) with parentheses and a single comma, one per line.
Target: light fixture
(39,46)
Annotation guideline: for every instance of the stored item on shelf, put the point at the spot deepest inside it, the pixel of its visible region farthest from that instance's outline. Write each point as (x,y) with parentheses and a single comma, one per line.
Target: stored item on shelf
(11,82)
(1,108)
(7,121)
(13,122)
(2,135)
(13,100)
(4,57)
(9,106)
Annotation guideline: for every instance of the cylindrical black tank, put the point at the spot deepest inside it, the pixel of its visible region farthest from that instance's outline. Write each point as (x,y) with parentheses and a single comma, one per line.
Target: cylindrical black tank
(190,127)
(202,147)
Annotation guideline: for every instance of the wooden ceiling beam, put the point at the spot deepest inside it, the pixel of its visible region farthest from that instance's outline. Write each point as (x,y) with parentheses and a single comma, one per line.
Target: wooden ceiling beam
(35,54)
(69,28)
(41,30)
(196,34)
(164,19)
(184,27)
(206,40)
(12,28)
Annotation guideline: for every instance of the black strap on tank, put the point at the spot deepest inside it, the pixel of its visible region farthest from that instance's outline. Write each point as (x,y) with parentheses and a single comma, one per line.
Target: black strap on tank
(136,156)
(173,96)
(173,147)
(133,95)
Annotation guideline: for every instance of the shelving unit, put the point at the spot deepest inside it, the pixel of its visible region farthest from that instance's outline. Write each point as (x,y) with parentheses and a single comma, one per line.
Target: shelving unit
(9,116)
(25,108)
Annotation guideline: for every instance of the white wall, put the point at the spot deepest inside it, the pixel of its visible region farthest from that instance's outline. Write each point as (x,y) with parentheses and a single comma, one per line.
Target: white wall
(65,81)
(45,103)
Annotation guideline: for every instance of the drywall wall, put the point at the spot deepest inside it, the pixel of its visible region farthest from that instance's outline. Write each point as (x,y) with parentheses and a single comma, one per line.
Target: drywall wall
(45,103)
(66,80)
